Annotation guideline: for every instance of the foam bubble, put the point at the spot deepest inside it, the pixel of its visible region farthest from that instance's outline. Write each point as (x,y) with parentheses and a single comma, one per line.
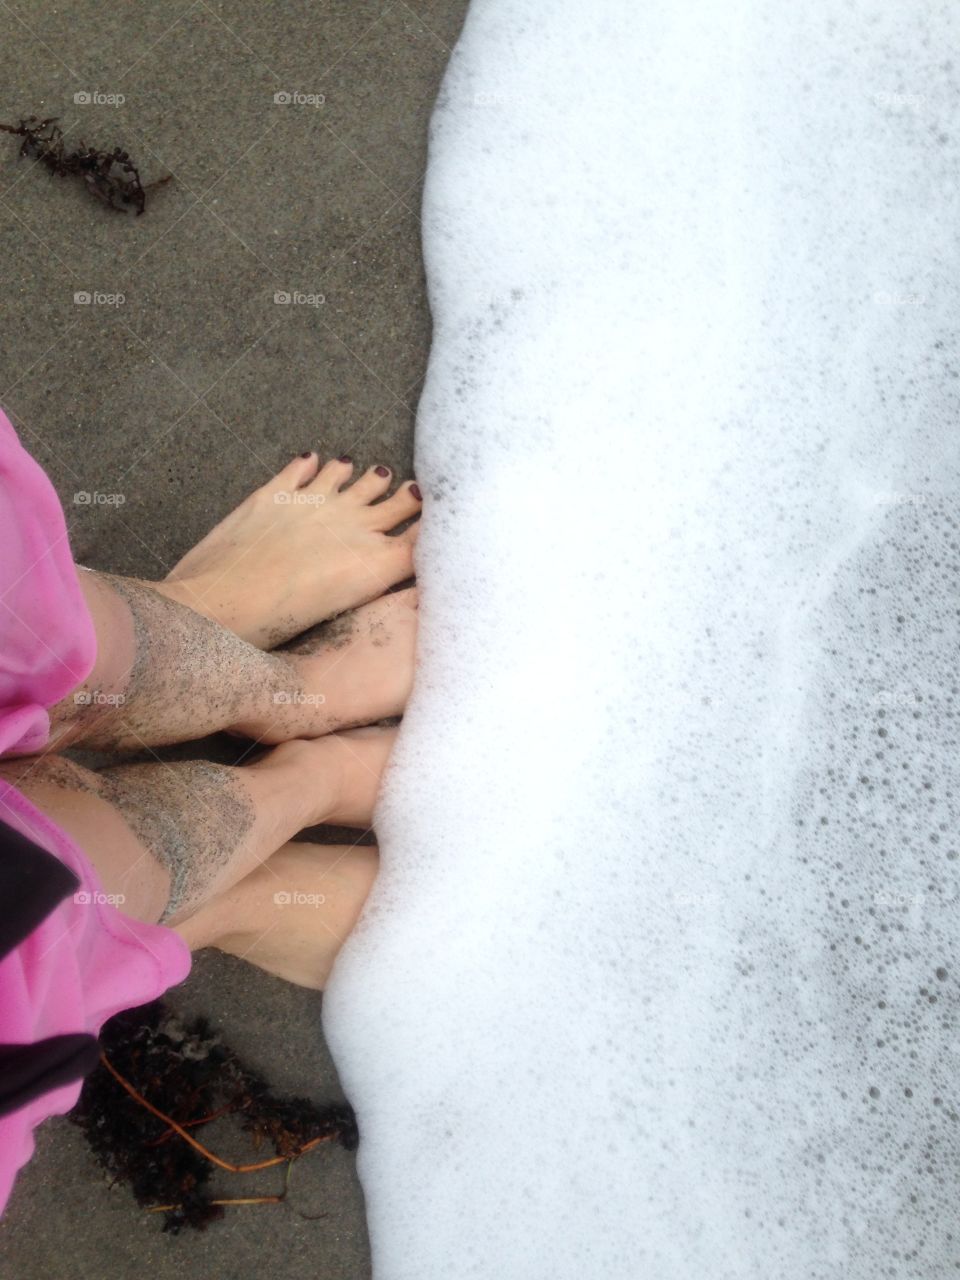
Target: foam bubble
(660,975)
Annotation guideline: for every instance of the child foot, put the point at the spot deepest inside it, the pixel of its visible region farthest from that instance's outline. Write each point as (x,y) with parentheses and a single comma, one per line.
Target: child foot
(292,915)
(354,671)
(298,550)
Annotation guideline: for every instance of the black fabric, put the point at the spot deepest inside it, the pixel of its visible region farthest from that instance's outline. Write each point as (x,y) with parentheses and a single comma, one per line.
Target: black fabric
(28,1070)
(32,883)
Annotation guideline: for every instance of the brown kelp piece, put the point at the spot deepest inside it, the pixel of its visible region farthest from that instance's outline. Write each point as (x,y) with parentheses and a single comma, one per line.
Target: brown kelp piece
(109,175)
(160,1081)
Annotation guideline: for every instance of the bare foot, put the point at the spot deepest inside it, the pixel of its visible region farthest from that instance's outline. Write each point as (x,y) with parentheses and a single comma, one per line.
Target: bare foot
(340,772)
(356,670)
(292,915)
(300,549)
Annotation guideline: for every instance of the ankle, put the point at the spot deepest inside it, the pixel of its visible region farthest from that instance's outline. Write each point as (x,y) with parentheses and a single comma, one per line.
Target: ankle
(284,708)
(312,776)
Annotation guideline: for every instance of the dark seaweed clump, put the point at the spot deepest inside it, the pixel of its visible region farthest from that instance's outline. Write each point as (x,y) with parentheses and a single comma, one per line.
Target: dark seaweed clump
(111,176)
(185,1071)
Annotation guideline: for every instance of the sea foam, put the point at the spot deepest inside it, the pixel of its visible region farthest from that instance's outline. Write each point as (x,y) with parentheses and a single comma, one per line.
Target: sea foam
(660,975)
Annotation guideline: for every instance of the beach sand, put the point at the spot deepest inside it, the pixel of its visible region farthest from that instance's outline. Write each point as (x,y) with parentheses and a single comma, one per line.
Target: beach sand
(188,393)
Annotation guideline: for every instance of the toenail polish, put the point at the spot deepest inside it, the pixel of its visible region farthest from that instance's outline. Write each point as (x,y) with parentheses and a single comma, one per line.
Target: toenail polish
(415,490)
(308,453)
(382,471)
(346,458)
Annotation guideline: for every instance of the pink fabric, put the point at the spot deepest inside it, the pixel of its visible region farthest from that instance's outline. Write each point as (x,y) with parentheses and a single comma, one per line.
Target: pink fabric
(83,964)
(48,642)
(87,960)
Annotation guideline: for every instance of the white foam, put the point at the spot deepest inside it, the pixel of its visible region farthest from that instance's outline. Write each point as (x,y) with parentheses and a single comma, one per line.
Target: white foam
(648,986)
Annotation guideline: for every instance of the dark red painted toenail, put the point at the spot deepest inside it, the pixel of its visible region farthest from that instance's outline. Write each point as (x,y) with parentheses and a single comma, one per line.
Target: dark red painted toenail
(382,471)
(346,458)
(308,453)
(415,490)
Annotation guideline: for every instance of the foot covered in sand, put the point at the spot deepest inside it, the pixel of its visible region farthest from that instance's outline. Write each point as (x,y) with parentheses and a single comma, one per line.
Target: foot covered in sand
(353,671)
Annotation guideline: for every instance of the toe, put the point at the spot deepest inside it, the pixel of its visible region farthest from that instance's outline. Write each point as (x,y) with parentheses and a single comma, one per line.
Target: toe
(333,475)
(406,502)
(300,471)
(372,484)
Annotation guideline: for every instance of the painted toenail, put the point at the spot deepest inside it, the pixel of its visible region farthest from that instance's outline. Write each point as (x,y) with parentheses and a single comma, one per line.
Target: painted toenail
(382,471)
(415,490)
(346,458)
(307,454)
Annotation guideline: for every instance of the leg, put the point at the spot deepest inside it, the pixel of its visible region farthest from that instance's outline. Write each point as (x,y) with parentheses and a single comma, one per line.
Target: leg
(166,674)
(170,837)
(292,915)
(300,549)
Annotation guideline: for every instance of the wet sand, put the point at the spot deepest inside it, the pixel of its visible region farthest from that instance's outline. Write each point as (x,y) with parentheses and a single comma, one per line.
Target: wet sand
(167,406)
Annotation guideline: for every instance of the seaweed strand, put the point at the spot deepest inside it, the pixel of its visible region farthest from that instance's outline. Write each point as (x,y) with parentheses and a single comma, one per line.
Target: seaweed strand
(111,176)
(198,1146)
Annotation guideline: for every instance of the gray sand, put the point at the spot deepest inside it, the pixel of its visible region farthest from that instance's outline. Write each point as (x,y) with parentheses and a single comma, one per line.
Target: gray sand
(190,393)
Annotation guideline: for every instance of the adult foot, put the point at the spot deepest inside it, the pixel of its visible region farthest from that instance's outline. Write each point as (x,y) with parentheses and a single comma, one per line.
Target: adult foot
(292,915)
(339,775)
(353,671)
(304,547)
